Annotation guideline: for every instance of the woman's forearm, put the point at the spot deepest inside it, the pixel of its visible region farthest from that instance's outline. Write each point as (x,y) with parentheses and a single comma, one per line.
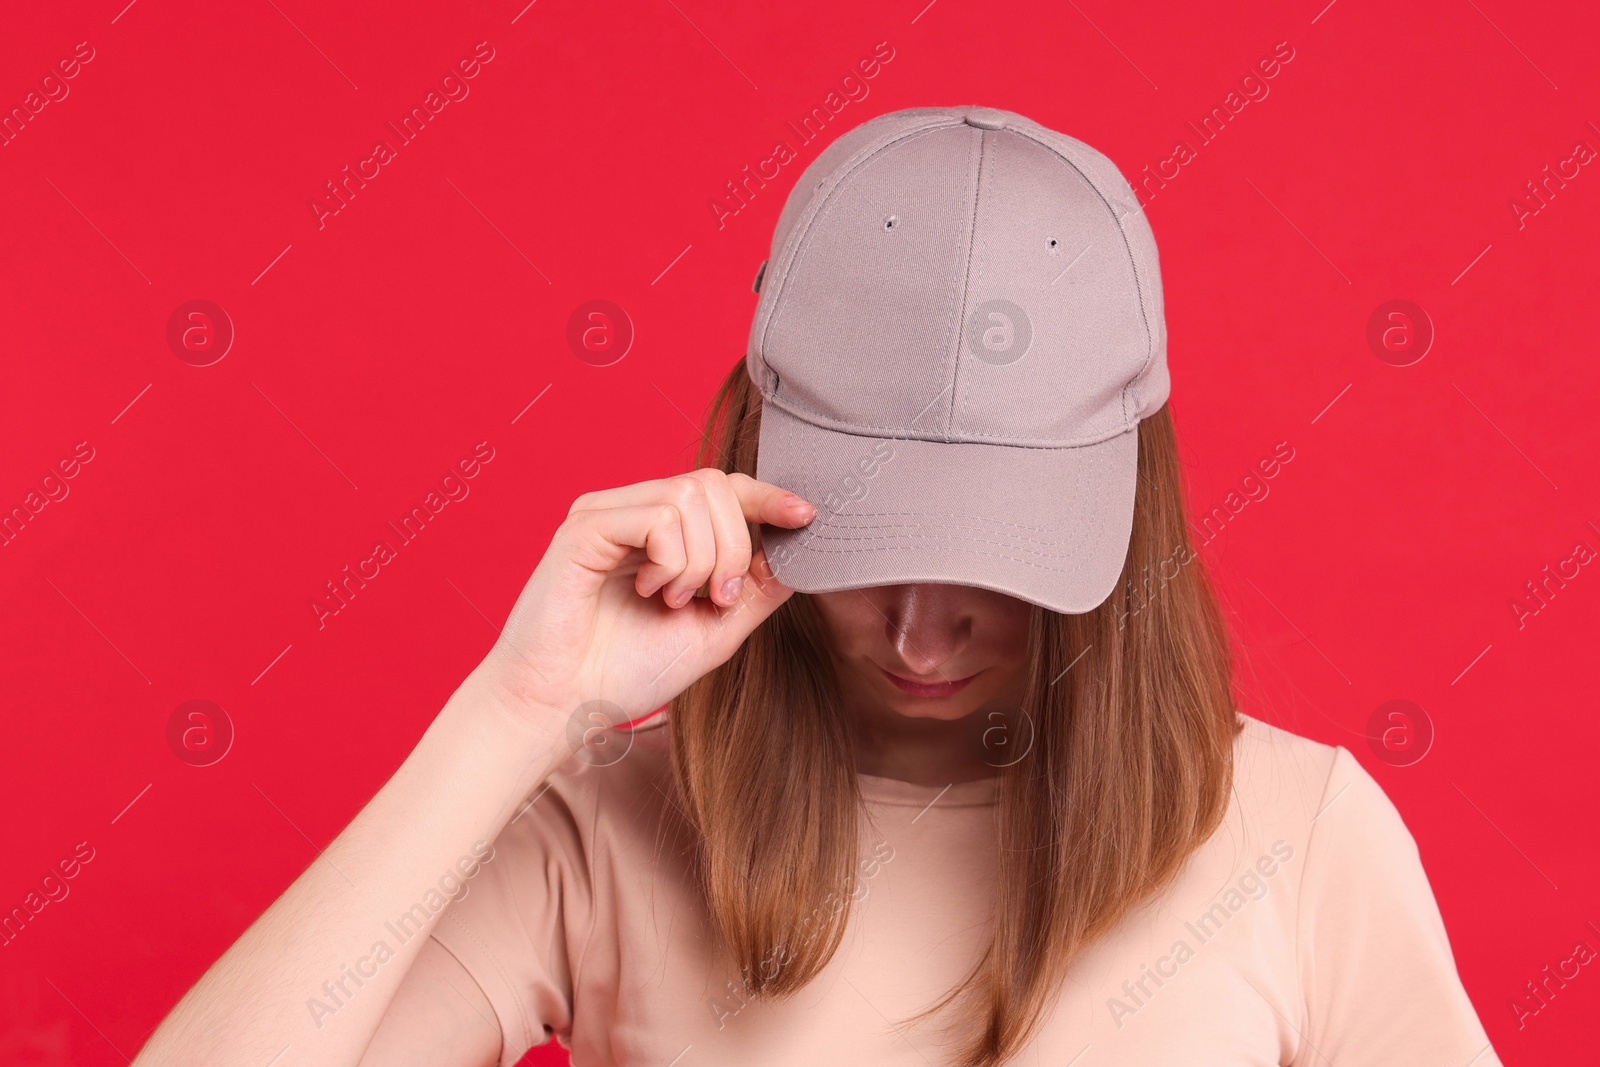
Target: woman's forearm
(315,973)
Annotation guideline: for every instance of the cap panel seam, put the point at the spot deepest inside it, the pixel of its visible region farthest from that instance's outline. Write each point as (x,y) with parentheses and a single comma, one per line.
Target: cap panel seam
(974,270)
(952,312)
(1138,285)
(959,306)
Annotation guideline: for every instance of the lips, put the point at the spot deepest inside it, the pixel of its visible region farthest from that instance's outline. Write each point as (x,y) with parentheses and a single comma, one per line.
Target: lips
(927,689)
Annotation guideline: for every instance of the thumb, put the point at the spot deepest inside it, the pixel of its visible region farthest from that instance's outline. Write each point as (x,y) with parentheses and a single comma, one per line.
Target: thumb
(761,595)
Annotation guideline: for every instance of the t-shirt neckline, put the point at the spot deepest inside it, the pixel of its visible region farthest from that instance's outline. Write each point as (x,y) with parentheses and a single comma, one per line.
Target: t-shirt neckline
(978,792)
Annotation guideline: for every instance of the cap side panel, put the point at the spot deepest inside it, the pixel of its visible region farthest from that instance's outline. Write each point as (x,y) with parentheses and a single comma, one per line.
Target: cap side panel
(1053,329)
(1141,282)
(866,292)
(833,165)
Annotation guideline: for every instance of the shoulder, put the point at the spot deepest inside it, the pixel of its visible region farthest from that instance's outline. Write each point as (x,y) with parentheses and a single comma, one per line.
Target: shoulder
(550,882)
(1317,797)
(603,812)
(602,795)
(1279,776)
(1367,930)
(1274,766)
(622,765)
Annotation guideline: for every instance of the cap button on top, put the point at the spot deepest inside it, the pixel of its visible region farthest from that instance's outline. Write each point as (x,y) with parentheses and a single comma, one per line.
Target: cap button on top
(985,119)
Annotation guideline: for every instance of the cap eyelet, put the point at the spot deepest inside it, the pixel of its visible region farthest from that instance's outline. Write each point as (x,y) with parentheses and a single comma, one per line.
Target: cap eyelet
(890,222)
(1054,246)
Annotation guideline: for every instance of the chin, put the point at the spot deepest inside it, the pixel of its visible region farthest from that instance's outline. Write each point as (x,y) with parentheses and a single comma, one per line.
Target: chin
(950,708)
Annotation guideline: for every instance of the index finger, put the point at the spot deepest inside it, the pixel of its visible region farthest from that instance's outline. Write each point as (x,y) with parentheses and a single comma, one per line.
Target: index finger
(763,502)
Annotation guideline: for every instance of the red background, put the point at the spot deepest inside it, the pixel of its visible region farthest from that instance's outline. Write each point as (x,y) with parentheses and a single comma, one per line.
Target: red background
(374,352)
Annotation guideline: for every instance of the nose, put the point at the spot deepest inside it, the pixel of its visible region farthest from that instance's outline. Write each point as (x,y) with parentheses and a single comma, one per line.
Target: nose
(927,624)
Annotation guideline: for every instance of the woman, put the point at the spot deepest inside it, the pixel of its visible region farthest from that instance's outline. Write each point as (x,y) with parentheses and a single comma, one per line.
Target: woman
(949,772)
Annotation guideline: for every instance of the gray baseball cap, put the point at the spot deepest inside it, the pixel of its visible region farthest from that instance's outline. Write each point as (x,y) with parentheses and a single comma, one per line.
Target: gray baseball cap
(959,328)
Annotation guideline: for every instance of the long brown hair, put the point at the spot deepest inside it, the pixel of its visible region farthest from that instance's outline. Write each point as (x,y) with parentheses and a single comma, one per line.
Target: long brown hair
(1130,769)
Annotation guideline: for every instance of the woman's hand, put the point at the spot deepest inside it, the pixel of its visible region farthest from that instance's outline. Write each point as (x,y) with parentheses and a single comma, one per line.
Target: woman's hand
(610,612)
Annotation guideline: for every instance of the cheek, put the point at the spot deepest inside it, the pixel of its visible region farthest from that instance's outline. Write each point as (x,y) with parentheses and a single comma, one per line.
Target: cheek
(848,618)
(1009,636)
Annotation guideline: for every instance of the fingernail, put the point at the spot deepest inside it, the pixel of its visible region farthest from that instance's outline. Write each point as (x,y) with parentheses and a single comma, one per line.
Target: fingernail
(681,597)
(796,503)
(731,587)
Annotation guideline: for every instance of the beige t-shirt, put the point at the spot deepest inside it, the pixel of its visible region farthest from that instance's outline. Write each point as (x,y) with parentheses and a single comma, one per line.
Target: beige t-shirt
(1303,932)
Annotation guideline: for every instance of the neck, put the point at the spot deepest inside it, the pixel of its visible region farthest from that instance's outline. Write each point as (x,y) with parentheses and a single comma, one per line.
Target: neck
(916,749)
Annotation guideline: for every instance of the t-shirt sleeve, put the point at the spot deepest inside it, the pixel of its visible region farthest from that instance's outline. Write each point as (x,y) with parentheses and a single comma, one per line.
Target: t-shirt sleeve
(1379,977)
(514,929)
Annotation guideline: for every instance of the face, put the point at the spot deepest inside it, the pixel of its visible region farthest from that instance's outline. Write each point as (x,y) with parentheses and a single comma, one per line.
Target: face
(929,650)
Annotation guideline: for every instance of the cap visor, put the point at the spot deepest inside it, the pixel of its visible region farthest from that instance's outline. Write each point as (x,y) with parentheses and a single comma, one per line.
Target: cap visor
(1046,525)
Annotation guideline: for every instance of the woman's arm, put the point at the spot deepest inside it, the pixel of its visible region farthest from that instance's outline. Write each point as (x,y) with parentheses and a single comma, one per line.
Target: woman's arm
(461,785)
(311,981)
